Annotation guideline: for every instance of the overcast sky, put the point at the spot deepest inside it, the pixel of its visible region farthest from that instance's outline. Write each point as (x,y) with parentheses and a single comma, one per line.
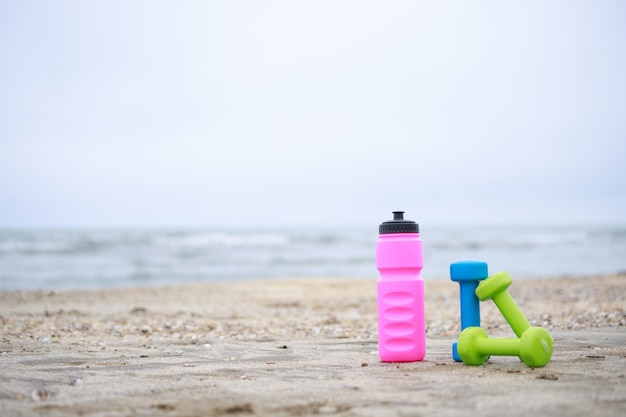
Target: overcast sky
(152,113)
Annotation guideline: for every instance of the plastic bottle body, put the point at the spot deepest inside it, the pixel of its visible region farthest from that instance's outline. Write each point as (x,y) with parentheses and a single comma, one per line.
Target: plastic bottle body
(400,296)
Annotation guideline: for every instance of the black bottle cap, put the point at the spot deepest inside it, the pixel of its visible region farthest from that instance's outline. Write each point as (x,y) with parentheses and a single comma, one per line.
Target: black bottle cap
(398,225)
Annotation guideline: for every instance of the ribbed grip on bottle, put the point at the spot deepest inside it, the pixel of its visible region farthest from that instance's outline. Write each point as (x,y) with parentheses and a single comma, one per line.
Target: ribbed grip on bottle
(401,323)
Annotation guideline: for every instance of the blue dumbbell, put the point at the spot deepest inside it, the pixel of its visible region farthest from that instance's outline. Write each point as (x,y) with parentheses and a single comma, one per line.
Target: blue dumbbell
(468,274)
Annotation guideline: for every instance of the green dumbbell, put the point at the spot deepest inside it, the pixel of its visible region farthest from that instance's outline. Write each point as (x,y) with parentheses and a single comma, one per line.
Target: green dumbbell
(534,348)
(495,288)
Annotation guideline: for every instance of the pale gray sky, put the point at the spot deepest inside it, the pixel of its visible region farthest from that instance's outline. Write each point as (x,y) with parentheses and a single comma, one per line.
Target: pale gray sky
(139,113)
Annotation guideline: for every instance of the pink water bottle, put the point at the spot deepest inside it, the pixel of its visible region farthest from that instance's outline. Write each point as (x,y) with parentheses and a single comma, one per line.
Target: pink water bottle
(401,324)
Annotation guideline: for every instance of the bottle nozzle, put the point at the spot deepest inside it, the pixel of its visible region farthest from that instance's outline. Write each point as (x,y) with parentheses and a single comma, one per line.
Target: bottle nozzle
(398,215)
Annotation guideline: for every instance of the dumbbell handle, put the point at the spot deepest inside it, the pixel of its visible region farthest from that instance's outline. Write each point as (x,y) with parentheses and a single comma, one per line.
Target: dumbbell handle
(499,347)
(511,312)
(470,309)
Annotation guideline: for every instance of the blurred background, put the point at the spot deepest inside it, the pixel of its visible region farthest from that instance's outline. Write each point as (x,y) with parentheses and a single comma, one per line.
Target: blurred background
(151,142)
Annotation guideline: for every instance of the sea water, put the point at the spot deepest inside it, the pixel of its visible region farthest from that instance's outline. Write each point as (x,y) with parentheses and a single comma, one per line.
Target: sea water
(98,258)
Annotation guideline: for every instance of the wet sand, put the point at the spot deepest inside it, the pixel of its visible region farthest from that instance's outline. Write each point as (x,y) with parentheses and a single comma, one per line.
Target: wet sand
(299,347)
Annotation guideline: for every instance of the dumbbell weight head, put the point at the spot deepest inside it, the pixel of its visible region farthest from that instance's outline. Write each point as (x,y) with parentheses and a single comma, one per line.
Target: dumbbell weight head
(536,345)
(468,274)
(495,288)
(494,285)
(468,346)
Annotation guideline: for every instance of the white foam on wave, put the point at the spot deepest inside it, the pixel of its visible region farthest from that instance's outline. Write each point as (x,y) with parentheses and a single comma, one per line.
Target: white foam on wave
(222,239)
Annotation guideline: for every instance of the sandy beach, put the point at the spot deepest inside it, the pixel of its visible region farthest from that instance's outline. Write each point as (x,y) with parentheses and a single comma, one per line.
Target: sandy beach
(298,347)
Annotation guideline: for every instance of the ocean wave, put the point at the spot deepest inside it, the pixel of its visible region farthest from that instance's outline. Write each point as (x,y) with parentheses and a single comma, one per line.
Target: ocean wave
(38,246)
(231,240)
(527,241)
(100,258)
